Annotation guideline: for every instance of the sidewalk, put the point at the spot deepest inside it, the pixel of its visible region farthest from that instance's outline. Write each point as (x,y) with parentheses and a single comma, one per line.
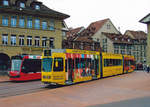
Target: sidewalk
(4,78)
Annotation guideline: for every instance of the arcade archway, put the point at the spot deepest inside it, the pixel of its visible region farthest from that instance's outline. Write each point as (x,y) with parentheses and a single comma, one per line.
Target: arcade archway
(4,61)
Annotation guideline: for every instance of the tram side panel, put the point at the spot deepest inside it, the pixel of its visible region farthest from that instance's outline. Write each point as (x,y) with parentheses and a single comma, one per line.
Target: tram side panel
(75,68)
(82,67)
(112,64)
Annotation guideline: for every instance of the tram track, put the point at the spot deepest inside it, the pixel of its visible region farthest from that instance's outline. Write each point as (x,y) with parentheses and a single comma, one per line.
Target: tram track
(8,89)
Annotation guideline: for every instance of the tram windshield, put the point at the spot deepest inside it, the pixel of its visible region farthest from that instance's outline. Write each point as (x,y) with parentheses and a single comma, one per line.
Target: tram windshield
(16,65)
(47,64)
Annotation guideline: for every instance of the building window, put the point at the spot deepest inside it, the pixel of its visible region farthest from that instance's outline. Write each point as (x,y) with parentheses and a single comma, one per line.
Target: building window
(29,41)
(29,22)
(122,51)
(51,42)
(4,39)
(129,52)
(37,41)
(5,20)
(44,39)
(116,51)
(5,2)
(81,46)
(22,5)
(37,24)
(37,7)
(63,33)
(13,39)
(21,40)
(122,46)
(104,40)
(44,25)
(21,22)
(13,21)
(108,26)
(52,25)
(116,46)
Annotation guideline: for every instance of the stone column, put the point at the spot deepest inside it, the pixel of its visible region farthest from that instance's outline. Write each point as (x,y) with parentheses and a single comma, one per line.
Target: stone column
(148,46)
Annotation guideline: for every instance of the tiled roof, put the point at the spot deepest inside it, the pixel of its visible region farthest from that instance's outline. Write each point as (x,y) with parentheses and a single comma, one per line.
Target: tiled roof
(95,26)
(84,39)
(73,32)
(118,38)
(44,11)
(138,34)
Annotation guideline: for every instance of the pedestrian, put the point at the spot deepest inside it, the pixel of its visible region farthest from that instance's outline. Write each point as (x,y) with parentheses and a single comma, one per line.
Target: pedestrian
(144,67)
(147,68)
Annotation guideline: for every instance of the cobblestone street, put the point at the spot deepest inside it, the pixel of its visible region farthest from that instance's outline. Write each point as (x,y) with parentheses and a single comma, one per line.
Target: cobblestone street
(103,91)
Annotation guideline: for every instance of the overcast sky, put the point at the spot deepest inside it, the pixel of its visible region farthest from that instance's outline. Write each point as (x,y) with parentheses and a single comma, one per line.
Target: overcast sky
(123,13)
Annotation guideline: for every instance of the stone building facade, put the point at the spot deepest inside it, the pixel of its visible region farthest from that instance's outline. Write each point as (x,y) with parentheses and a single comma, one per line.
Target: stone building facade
(28,27)
(98,28)
(139,43)
(146,20)
(118,43)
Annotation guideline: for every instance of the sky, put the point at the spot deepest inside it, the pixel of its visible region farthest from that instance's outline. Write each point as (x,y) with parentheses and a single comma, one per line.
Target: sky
(123,13)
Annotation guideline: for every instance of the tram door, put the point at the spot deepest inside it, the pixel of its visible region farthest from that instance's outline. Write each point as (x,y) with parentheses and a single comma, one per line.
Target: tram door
(58,68)
(70,67)
(95,68)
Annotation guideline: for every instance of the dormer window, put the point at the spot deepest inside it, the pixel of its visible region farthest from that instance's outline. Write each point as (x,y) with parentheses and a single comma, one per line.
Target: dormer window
(108,26)
(128,40)
(5,2)
(37,7)
(22,5)
(116,38)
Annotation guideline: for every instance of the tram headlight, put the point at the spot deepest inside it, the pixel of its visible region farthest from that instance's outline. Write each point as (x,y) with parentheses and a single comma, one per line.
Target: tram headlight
(46,77)
(49,77)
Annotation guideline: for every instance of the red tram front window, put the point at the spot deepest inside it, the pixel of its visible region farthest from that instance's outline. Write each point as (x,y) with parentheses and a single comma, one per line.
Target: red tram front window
(16,65)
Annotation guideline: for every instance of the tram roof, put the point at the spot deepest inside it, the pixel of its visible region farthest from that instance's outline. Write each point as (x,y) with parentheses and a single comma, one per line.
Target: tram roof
(74,51)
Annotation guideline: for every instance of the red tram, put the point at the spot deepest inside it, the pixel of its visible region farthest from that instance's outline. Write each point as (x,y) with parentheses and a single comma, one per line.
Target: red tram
(129,63)
(25,67)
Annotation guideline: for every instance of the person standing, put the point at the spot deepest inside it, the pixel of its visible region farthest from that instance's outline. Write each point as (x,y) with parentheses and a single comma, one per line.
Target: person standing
(147,68)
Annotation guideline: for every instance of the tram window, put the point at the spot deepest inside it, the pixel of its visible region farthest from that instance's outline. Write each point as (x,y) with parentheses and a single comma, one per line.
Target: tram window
(66,66)
(70,64)
(88,63)
(31,65)
(58,64)
(97,66)
(112,62)
(119,62)
(83,63)
(132,62)
(126,62)
(92,64)
(77,63)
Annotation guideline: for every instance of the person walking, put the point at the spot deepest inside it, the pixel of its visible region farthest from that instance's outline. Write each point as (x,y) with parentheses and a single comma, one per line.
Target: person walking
(147,68)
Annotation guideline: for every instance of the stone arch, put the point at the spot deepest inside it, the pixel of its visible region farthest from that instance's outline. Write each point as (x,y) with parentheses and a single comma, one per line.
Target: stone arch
(4,61)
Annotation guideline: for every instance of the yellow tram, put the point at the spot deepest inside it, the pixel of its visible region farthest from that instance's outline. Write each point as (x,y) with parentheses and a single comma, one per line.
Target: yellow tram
(69,66)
